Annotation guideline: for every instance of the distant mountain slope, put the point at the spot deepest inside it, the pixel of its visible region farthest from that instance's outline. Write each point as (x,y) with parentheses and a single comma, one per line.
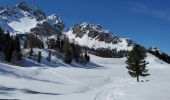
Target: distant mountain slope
(95,36)
(26,18)
(99,41)
(160,54)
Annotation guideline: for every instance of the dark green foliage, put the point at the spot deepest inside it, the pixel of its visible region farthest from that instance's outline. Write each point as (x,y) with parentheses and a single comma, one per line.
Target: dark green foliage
(39,57)
(34,41)
(17,44)
(31,52)
(49,56)
(86,58)
(25,44)
(107,53)
(61,46)
(67,51)
(136,63)
(19,56)
(68,56)
(9,49)
(2,40)
(52,44)
(76,51)
(10,46)
(1,31)
(58,43)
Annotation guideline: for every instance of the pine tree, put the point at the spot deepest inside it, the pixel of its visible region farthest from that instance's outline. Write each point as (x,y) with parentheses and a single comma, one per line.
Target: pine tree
(30,52)
(49,56)
(68,56)
(9,50)
(76,51)
(2,39)
(86,58)
(67,51)
(39,57)
(19,57)
(17,44)
(136,63)
(25,44)
(1,31)
(9,46)
(18,49)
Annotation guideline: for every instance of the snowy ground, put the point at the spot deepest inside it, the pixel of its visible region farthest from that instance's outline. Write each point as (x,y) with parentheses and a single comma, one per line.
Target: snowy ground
(102,79)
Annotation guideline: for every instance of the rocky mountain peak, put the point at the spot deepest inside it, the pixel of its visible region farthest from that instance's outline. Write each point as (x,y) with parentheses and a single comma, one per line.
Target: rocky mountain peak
(26,18)
(96,37)
(155,49)
(24,6)
(94,31)
(40,15)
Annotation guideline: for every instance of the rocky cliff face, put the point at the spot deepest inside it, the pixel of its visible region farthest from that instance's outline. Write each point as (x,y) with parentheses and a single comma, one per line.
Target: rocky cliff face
(94,36)
(94,31)
(26,18)
(99,41)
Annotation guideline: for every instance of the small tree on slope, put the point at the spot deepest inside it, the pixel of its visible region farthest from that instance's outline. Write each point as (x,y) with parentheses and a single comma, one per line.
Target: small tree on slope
(136,63)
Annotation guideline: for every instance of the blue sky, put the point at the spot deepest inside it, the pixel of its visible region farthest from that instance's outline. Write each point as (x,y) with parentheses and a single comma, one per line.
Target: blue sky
(145,21)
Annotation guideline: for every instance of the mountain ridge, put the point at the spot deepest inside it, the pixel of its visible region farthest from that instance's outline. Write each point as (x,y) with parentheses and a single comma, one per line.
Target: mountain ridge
(26,18)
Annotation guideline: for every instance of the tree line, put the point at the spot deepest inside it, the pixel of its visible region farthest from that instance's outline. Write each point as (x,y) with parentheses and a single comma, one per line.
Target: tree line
(67,50)
(10,47)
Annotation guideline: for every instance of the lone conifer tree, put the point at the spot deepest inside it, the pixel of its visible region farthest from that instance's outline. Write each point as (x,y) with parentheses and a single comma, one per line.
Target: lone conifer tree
(136,63)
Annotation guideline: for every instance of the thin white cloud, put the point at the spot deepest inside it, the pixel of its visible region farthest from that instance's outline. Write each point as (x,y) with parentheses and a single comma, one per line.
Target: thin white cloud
(163,14)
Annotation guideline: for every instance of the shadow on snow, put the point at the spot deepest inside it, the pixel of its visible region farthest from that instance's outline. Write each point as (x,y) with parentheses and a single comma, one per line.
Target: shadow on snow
(7,90)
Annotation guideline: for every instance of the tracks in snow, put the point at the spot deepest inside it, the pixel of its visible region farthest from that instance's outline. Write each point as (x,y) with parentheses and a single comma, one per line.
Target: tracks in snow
(74,81)
(114,90)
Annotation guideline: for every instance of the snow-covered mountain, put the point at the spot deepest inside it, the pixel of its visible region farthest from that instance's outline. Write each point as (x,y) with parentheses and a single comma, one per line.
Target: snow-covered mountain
(26,18)
(160,54)
(96,37)
(100,79)
(155,49)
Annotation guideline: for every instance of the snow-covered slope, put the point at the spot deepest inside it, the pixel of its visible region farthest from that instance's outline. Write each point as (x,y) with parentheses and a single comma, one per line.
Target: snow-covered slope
(23,18)
(94,36)
(160,54)
(155,49)
(101,79)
